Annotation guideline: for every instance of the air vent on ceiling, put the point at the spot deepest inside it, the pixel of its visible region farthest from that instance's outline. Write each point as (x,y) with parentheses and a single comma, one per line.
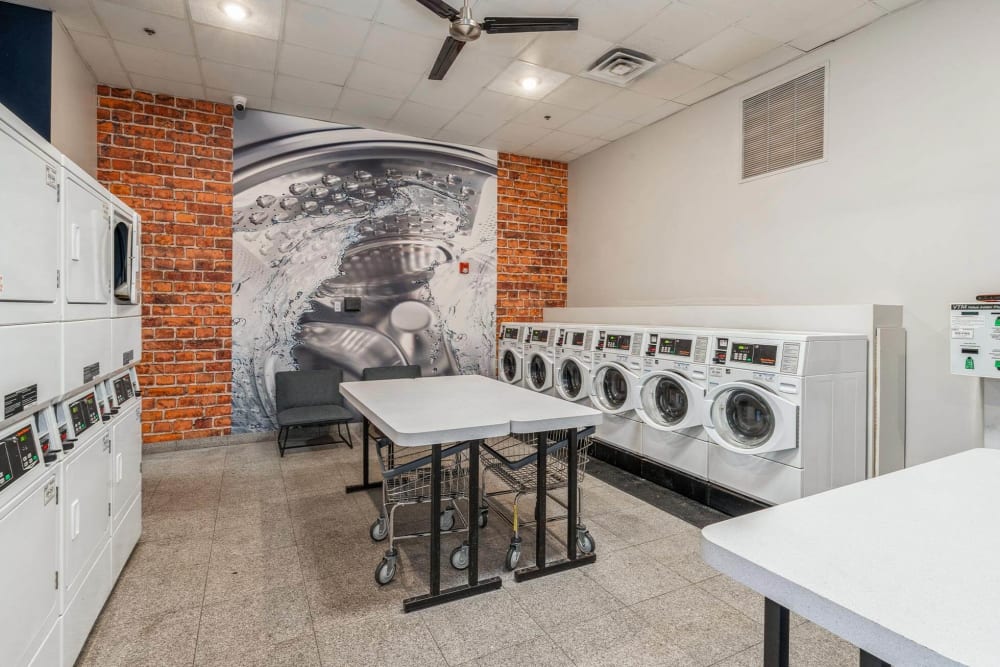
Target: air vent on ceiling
(784,127)
(620,66)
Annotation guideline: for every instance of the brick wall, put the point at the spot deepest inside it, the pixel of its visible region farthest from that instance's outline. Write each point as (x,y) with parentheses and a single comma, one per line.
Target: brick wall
(531,237)
(171,160)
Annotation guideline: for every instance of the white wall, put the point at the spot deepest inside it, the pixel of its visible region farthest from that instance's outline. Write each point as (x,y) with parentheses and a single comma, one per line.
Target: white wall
(905,210)
(74,102)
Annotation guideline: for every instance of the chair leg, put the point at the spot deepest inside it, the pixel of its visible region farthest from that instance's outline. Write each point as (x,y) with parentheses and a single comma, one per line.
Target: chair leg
(350,439)
(281,442)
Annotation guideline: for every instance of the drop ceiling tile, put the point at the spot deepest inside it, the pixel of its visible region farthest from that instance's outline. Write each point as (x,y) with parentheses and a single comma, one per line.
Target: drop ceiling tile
(675,30)
(459,138)
(76,16)
(156,63)
(508,81)
(591,145)
(730,11)
(126,24)
(544,154)
(729,49)
(363,105)
(420,119)
(358,120)
(100,55)
(840,26)
(364,9)
(379,80)
(473,125)
(301,110)
(558,141)
(264,19)
(893,5)
(304,63)
(226,97)
(171,7)
(582,94)
(670,80)
(475,67)
(714,86)
(516,134)
(627,105)
(152,84)
(235,48)
(307,93)
(784,20)
(399,49)
(591,125)
(764,63)
(570,52)
(323,30)
(610,21)
(245,81)
(447,94)
(498,105)
(668,108)
(412,17)
(622,130)
(548,116)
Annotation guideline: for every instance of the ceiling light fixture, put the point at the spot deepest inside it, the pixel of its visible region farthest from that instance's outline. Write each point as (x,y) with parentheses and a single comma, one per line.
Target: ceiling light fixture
(530,82)
(235,11)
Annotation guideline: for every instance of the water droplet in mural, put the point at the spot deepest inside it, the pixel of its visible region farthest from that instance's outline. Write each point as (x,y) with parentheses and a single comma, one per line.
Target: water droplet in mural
(298,188)
(258,217)
(362,176)
(339,197)
(309,206)
(425,175)
(368,193)
(320,191)
(289,203)
(333,181)
(282,216)
(264,201)
(454,180)
(467,192)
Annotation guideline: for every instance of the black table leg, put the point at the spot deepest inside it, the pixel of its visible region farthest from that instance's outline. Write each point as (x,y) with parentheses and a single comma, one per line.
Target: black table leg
(541,518)
(776,627)
(573,559)
(365,485)
(866,659)
(436,596)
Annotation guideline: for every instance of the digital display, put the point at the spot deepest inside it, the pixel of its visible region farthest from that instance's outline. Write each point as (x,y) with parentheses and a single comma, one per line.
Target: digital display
(577,339)
(510,333)
(618,342)
(83,413)
(18,455)
(539,335)
(90,404)
(678,347)
(751,353)
(123,389)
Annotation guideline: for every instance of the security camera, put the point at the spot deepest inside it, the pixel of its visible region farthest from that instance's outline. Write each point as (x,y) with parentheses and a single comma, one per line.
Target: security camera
(239,103)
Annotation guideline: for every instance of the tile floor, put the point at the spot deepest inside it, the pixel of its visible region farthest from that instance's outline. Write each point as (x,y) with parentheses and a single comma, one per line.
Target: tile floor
(249,559)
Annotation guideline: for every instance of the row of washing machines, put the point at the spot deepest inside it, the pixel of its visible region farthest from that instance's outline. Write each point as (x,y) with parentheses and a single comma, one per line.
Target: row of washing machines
(772,416)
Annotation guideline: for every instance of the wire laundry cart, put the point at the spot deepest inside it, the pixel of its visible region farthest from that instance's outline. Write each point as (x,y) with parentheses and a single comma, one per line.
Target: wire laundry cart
(406,480)
(513,460)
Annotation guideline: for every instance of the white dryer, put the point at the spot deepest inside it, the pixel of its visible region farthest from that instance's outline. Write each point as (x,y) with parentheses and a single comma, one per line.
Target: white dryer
(574,361)
(510,351)
(540,358)
(671,393)
(786,413)
(617,365)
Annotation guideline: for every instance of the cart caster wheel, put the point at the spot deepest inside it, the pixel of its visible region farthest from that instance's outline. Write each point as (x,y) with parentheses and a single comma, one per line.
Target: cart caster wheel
(513,556)
(447,520)
(585,542)
(379,530)
(484,518)
(385,572)
(460,557)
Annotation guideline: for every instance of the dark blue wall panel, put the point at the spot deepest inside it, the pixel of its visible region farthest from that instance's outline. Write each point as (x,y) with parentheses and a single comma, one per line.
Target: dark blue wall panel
(26,65)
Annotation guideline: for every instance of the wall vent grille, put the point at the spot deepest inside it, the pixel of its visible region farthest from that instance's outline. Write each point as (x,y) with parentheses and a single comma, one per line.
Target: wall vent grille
(620,66)
(785,126)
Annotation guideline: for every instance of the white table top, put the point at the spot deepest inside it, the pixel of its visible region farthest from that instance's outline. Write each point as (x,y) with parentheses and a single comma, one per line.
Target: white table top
(425,411)
(905,566)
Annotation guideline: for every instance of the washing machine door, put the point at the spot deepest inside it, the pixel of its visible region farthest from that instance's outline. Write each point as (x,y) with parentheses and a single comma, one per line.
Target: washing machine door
(612,388)
(538,372)
(749,419)
(510,366)
(572,379)
(668,401)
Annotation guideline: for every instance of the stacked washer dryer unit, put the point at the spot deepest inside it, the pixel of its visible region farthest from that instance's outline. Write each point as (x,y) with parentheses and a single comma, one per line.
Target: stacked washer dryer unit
(510,351)
(574,361)
(540,358)
(69,445)
(617,366)
(670,396)
(786,413)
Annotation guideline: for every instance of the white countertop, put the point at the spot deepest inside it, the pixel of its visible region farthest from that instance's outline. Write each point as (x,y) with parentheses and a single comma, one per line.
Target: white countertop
(905,566)
(424,411)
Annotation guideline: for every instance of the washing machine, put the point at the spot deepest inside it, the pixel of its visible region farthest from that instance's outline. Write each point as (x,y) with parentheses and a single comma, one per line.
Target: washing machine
(670,395)
(574,361)
(617,365)
(510,351)
(540,358)
(125,427)
(786,413)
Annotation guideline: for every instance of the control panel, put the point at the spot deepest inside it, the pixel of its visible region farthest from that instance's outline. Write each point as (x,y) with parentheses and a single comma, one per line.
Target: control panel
(684,348)
(510,333)
(575,339)
(83,413)
(539,335)
(18,455)
(123,389)
(975,339)
(762,354)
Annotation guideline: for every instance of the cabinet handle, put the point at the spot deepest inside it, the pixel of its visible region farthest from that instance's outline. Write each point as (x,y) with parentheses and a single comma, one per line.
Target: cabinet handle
(74,519)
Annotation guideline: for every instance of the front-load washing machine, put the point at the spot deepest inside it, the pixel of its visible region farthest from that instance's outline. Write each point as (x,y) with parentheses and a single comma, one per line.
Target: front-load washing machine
(540,358)
(786,413)
(510,351)
(574,361)
(617,364)
(670,392)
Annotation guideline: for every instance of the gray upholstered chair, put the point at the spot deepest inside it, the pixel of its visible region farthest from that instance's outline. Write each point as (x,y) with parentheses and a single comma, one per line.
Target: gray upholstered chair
(310,398)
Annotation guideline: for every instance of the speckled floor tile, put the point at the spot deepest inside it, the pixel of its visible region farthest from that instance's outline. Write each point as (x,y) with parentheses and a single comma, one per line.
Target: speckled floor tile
(620,638)
(143,594)
(681,552)
(631,575)
(565,597)
(159,640)
(298,652)
(233,574)
(390,640)
(538,652)
(160,555)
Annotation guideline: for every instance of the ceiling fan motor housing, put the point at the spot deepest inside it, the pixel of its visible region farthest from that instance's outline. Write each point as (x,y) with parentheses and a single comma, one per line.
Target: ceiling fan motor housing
(465,29)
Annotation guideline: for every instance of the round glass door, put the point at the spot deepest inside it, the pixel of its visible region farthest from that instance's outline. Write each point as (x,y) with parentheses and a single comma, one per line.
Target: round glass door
(570,379)
(538,371)
(612,388)
(665,400)
(743,418)
(508,364)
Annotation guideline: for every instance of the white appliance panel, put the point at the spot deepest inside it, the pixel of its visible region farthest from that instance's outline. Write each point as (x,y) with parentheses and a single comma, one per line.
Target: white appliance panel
(126,459)
(86,352)
(87,497)
(87,227)
(30,356)
(126,341)
(89,599)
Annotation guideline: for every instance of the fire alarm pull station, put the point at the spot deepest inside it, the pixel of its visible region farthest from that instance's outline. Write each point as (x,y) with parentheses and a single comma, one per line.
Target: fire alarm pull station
(463,267)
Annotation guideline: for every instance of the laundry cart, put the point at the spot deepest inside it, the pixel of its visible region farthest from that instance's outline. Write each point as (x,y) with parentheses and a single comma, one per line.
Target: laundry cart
(513,461)
(406,480)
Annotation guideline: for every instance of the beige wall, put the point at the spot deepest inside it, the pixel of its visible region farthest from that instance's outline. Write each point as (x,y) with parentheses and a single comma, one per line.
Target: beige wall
(903,211)
(74,102)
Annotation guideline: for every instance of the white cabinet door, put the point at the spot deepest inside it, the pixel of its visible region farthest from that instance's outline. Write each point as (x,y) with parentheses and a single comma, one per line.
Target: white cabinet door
(87,244)
(126,456)
(86,521)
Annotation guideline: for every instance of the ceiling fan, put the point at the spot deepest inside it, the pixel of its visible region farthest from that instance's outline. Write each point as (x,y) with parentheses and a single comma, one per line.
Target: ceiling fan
(466,29)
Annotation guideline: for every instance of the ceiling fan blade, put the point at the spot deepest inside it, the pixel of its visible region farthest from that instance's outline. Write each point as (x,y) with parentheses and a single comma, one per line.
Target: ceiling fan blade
(446,56)
(501,24)
(441,8)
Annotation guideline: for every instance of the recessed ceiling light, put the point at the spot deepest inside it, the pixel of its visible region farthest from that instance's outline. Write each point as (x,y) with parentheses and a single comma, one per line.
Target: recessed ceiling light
(235,11)
(530,82)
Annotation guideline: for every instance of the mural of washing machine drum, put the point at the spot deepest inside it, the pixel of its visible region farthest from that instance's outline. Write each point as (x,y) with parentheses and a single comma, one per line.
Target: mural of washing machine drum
(669,401)
(538,372)
(510,366)
(612,388)
(572,379)
(749,419)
